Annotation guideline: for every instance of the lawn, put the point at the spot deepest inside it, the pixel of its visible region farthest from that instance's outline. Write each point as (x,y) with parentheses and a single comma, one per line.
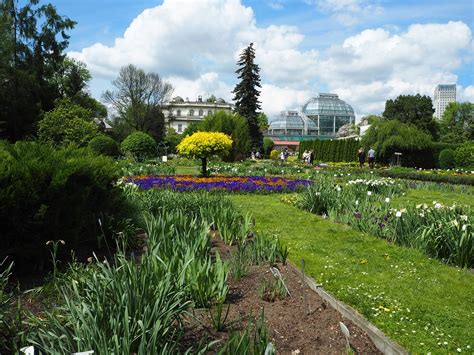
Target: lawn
(424,305)
(417,196)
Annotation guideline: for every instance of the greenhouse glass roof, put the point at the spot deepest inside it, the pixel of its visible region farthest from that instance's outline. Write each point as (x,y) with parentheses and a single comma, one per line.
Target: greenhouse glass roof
(290,120)
(327,105)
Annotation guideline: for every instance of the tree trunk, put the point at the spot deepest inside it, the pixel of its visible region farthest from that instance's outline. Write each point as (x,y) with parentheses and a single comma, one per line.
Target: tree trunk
(204,166)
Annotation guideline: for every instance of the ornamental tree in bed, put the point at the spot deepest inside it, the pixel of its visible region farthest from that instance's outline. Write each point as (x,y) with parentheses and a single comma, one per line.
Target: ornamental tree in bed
(203,145)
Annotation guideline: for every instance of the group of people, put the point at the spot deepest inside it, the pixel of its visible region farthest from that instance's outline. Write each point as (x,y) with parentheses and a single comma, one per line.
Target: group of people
(308,157)
(370,154)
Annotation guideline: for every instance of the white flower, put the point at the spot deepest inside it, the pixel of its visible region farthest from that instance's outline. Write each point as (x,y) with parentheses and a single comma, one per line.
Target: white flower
(438,205)
(458,350)
(464,227)
(387,199)
(463,217)
(369,193)
(318,193)
(357,202)
(398,214)
(455,223)
(338,189)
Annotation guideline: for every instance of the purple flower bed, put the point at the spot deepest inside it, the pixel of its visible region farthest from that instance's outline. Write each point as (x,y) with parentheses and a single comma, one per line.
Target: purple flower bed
(223,183)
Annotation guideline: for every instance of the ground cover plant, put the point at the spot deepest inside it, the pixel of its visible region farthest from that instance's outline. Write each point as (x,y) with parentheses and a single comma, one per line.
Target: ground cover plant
(419,302)
(219,183)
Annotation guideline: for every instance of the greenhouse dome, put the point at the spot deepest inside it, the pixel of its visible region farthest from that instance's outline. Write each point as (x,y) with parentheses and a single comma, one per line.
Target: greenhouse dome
(292,123)
(329,113)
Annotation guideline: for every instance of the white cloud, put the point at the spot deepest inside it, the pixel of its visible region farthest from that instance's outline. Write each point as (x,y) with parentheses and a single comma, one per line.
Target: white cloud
(182,42)
(465,94)
(375,65)
(195,46)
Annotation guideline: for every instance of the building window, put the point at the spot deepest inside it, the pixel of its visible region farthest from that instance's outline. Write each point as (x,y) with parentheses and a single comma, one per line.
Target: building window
(191,112)
(178,113)
(201,112)
(180,128)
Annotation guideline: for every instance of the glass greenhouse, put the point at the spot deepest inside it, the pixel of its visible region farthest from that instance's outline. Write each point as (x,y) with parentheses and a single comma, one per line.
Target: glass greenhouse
(320,116)
(329,113)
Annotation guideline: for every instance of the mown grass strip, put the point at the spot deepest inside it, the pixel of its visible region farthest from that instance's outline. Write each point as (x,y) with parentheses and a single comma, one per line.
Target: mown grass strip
(421,303)
(414,197)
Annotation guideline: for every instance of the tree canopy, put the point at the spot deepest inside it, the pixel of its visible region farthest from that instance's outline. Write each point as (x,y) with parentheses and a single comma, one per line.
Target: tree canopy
(204,145)
(247,93)
(457,123)
(234,126)
(415,109)
(390,136)
(67,124)
(137,99)
(32,41)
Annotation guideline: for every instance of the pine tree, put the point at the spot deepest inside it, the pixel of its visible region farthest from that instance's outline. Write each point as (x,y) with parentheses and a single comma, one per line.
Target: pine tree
(246,93)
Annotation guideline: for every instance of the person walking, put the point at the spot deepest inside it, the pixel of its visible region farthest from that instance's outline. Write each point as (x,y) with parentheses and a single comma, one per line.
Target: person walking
(361,156)
(371,155)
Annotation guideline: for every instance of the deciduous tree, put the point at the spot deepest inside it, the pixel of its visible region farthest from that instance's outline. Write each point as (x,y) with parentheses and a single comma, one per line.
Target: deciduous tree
(415,109)
(137,99)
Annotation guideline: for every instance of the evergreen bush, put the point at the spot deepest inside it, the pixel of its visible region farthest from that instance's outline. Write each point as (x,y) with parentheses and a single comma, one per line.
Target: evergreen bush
(139,145)
(464,155)
(446,159)
(104,145)
(48,194)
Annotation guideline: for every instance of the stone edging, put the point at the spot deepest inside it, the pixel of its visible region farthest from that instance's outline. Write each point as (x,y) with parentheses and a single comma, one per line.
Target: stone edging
(381,341)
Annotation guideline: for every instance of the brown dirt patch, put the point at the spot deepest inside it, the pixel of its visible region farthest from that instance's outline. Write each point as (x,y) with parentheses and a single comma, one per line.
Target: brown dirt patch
(301,323)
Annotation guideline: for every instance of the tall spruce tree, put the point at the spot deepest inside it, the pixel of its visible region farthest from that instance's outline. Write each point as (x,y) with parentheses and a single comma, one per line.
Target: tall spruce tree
(32,43)
(247,93)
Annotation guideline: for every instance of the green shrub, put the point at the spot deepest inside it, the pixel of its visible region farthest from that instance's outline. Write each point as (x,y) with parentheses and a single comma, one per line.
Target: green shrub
(104,145)
(139,145)
(48,194)
(274,154)
(267,147)
(446,159)
(464,155)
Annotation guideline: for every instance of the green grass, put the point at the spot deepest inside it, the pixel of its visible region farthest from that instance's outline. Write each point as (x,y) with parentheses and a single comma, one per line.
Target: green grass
(419,302)
(428,196)
(188,170)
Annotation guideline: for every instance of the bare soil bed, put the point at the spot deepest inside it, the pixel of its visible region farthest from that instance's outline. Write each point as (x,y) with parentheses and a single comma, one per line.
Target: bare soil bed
(301,323)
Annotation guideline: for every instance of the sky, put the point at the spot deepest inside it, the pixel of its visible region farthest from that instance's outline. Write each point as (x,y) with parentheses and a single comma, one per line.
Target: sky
(366,51)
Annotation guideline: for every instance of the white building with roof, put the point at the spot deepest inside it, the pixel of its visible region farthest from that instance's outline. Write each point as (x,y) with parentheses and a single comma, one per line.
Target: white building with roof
(180,113)
(443,95)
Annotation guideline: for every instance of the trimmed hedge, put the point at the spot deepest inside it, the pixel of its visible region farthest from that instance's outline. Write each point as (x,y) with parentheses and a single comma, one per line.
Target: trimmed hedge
(341,150)
(139,145)
(104,145)
(48,194)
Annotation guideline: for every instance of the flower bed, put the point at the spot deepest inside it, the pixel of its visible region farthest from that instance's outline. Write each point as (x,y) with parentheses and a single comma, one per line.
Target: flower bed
(220,183)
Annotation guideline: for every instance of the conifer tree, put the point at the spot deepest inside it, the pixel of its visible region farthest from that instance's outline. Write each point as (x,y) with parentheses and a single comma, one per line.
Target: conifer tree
(247,93)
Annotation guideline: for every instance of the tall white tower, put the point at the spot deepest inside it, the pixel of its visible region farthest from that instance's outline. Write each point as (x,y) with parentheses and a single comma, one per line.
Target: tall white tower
(443,95)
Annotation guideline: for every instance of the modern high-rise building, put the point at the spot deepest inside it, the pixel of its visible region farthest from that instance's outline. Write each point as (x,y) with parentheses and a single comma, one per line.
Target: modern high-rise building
(443,95)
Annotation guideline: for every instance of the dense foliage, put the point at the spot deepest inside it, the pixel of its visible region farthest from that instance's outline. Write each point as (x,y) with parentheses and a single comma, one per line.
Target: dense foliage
(247,93)
(48,194)
(139,145)
(204,145)
(32,41)
(234,126)
(446,159)
(333,150)
(413,109)
(457,123)
(66,124)
(388,137)
(464,155)
(104,145)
